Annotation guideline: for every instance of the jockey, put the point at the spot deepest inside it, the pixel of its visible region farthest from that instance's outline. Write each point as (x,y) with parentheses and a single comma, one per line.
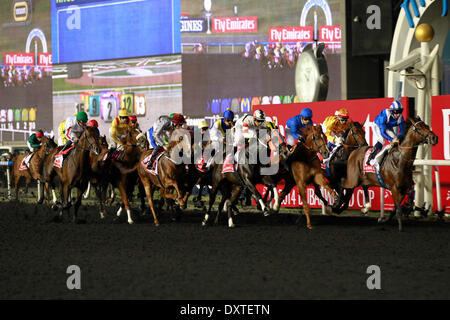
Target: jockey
(118,127)
(294,124)
(161,133)
(246,126)
(335,125)
(74,128)
(93,124)
(385,124)
(34,141)
(218,132)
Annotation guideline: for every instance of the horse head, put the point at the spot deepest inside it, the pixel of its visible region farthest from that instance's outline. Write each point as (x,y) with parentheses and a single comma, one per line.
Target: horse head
(50,144)
(316,140)
(354,136)
(420,132)
(90,140)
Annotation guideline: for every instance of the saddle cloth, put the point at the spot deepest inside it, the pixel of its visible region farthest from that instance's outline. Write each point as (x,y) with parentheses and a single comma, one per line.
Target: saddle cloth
(59,157)
(374,163)
(228,165)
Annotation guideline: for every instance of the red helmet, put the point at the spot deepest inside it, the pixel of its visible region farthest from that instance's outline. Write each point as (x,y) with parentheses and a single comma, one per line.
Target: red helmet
(39,134)
(178,119)
(132,118)
(93,123)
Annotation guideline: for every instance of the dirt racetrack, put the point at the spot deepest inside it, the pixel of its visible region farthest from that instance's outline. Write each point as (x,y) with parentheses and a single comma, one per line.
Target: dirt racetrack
(262,258)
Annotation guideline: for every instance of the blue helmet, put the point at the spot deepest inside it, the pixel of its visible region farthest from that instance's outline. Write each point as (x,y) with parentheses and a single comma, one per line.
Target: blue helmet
(306,113)
(228,114)
(396,105)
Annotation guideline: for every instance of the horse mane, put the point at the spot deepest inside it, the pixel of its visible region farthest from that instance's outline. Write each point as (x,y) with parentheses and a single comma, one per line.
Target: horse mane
(408,124)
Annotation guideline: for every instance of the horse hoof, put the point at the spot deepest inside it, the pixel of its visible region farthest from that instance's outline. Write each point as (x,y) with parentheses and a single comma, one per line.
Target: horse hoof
(130,222)
(309,227)
(328,210)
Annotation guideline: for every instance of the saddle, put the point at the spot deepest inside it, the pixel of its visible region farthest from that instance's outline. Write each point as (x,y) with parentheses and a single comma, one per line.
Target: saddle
(154,166)
(113,155)
(26,162)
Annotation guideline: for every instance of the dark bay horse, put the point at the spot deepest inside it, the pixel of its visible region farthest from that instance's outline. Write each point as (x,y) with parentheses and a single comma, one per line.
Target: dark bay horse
(76,169)
(336,172)
(35,165)
(171,170)
(248,175)
(396,168)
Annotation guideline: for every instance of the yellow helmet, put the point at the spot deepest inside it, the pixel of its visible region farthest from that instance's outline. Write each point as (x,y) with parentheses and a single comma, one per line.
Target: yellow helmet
(342,113)
(123,113)
(203,124)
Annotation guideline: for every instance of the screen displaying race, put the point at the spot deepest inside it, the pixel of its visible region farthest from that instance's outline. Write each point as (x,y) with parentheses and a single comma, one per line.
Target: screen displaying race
(238,54)
(25,68)
(147,87)
(89,30)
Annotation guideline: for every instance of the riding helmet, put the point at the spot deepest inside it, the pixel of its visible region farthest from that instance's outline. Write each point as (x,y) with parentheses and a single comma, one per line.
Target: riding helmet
(82,116)
(39,134)
(228,115)
(93,123)
(123,113)
(203,125)
(342,113)
(178,119)
(259,115)
(396,105)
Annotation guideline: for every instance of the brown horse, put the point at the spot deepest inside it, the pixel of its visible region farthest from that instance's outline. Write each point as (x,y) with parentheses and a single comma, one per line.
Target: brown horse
(76,169)
(35,166)
(171,171)
(306,167)
(396,167)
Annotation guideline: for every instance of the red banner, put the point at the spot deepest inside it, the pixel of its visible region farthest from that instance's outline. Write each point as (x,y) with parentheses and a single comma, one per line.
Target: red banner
(235,24)
(291,34)
(19,59)
(440,115)
(363,111)
(330,34)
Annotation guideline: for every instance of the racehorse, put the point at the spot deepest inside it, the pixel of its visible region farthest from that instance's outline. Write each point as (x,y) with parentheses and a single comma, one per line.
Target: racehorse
(76,169)
(35,166)
(171,171)
(247,175)
(336,169)
(305,165)
(396,167)
(121,171)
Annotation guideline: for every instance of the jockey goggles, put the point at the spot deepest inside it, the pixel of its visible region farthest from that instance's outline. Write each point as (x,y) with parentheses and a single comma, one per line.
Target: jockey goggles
(397,111)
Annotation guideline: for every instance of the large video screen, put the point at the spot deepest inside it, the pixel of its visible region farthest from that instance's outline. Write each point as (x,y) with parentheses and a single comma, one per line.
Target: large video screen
(146,86)
(237,54)
(91,30)
(25,68)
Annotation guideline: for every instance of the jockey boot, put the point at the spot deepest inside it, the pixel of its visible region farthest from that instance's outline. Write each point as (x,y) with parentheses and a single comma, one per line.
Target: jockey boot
(375,150)
(154,155)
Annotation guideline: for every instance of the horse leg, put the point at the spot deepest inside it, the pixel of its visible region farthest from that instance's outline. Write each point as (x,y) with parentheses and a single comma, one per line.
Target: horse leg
(77,204)
(229,204)
(289,184)
(16,186)
(398,198)
(255,194)
(123,195)
(318,193)
(101,195)
(141,196)
(367,204)
(149,193)
(212,199)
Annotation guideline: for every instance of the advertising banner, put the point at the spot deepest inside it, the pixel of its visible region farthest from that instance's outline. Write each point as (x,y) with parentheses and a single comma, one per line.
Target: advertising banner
(291,34)
(114,29)
(235,24)
(440,113)
(362,111)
